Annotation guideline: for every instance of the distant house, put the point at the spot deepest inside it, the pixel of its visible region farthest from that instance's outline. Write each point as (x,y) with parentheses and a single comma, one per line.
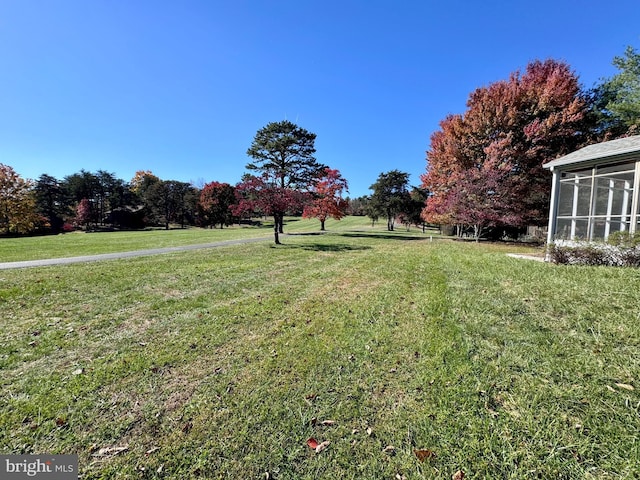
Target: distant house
(595,191)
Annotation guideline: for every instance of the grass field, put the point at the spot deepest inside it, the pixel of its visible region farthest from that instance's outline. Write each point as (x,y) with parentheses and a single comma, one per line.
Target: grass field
(81,243)
(221,363)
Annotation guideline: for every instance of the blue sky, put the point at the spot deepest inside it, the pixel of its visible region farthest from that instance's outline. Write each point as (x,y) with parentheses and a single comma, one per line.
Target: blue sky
(181,87)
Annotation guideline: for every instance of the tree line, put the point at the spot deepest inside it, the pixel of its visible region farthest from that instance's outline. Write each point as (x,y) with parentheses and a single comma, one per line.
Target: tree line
(284,178)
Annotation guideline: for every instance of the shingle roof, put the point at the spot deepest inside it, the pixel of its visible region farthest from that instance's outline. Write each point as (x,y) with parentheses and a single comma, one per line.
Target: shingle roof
(621,147)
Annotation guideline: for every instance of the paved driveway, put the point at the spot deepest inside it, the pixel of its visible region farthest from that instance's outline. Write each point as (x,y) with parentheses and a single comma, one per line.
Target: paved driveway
(117,255)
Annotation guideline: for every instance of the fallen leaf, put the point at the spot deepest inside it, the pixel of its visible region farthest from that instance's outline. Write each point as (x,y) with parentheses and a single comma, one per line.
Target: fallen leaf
(459,475)
(322,446)
(626,386)
(61,422)
(152,450)
(400,477)
(109,451)
(424,454)
(369,431)
(610,388)
(78,371)
(390,449)
(312,442)
(327,423)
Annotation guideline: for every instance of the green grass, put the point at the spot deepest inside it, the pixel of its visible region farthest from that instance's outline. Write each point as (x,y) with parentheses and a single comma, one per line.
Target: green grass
(215,363)
(81,243)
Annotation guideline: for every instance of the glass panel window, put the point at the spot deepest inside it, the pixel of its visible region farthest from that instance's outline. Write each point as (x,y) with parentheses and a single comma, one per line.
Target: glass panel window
(620,204)
(584,172)
(625,177)
(597,228)
(615,167)
(581,229)
(615,225)
(584,198)
(565,199)
(563,228)
(602,197)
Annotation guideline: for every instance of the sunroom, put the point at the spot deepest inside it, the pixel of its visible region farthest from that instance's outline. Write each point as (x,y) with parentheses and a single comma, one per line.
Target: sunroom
(595,191)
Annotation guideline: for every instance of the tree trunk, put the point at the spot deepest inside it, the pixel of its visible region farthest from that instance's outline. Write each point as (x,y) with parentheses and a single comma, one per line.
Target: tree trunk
(277,227)
(322,225)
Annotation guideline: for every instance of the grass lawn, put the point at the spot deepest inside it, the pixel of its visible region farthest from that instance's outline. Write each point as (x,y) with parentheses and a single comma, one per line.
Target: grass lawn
(80,243)
(221,363)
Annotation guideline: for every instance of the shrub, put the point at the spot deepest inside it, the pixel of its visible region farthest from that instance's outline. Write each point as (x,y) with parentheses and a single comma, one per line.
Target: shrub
(624,239)
(625,252)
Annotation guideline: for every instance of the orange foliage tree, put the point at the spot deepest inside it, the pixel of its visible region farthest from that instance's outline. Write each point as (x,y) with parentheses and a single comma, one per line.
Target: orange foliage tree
(327,198)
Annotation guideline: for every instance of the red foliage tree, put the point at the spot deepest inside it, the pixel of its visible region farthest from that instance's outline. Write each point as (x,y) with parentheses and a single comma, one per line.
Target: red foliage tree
(491,157)
(214,204)
(327,198)
(83,212)
(260,195)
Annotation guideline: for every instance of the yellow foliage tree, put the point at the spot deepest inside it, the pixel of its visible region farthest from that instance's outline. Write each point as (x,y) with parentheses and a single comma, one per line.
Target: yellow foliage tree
(17,203)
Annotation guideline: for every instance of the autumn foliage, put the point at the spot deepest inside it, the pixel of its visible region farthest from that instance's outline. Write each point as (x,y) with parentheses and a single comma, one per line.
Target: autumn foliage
(260,195)
(484,167)
(17,203)
(327,198)
(215,203)
(83,212)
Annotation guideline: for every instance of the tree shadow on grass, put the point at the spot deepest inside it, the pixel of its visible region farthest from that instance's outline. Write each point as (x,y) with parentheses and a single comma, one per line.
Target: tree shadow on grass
(323,247)
(385,236)
(304,234)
